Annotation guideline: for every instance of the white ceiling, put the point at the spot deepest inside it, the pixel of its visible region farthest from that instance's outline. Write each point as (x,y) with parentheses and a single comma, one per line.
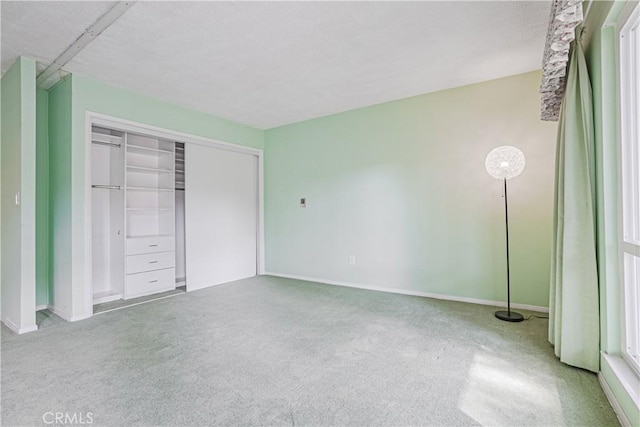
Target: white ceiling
(43,29)
(267,64)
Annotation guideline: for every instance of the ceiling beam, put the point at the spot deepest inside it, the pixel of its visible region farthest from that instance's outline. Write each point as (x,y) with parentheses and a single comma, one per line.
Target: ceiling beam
(50,75)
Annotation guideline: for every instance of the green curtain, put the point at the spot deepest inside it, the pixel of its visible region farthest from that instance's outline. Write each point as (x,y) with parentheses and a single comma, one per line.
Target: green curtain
(574,325)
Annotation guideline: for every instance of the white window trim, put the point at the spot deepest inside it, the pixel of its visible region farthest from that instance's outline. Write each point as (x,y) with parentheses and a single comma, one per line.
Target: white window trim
(627,379)
(629,159)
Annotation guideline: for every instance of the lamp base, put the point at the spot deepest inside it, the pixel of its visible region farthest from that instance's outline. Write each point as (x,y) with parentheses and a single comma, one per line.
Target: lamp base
(509,317)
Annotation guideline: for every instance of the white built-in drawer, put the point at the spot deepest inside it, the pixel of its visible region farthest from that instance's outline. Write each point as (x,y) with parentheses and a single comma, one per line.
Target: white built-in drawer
(145,245)
(148,262)
(148,283)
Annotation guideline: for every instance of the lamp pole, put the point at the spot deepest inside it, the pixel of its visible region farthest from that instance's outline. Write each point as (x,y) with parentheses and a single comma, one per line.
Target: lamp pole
(506,229)
(508,315)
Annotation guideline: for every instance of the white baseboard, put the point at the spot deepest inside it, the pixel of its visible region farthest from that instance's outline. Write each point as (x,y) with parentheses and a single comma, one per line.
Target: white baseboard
(59,313)
(66,316)
(15,328)
(76,318)
(41,307)
(537,308)
(624,421)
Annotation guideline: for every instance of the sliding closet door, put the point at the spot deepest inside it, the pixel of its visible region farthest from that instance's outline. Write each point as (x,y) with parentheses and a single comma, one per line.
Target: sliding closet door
(221,211)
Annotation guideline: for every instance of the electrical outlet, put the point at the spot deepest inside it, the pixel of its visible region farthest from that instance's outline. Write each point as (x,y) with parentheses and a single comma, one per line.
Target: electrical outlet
(352,259)
(303,202)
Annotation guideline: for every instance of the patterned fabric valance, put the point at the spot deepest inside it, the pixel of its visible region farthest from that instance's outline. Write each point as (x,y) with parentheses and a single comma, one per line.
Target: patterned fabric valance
(565,16)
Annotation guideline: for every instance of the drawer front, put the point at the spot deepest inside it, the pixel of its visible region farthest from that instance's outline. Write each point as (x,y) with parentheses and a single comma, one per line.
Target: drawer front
(151,282)
(147,245)
(149,262)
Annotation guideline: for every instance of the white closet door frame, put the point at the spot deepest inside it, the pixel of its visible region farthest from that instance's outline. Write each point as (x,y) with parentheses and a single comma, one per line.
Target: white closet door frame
(93,118)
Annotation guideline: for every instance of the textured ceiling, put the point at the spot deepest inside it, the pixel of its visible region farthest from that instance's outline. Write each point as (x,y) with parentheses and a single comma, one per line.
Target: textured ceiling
(268,64)
(43,30)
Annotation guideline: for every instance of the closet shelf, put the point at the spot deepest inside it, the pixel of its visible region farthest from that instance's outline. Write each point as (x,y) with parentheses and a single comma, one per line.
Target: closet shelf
(147,150)
(146,236)
(149,189)
(101,138)
(148,170)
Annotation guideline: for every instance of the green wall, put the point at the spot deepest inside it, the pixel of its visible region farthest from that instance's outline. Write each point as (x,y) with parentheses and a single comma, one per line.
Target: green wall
(60,219)
(98,97)
(600,50)
(402,186)
(42,197)
(18,150)
(69,102)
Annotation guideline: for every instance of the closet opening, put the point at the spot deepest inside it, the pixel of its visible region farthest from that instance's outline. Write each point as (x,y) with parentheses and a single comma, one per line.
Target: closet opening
(136,215)
(169,213)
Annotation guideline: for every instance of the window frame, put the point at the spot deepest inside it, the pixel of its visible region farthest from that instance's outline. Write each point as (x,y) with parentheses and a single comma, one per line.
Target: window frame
(629,187)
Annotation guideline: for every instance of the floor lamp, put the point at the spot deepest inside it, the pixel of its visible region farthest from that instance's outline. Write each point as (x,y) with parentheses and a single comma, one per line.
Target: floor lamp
(504,163)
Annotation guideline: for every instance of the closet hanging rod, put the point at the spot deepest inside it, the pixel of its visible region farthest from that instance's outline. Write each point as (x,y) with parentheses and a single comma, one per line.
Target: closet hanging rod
(106,187)
(113,144)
